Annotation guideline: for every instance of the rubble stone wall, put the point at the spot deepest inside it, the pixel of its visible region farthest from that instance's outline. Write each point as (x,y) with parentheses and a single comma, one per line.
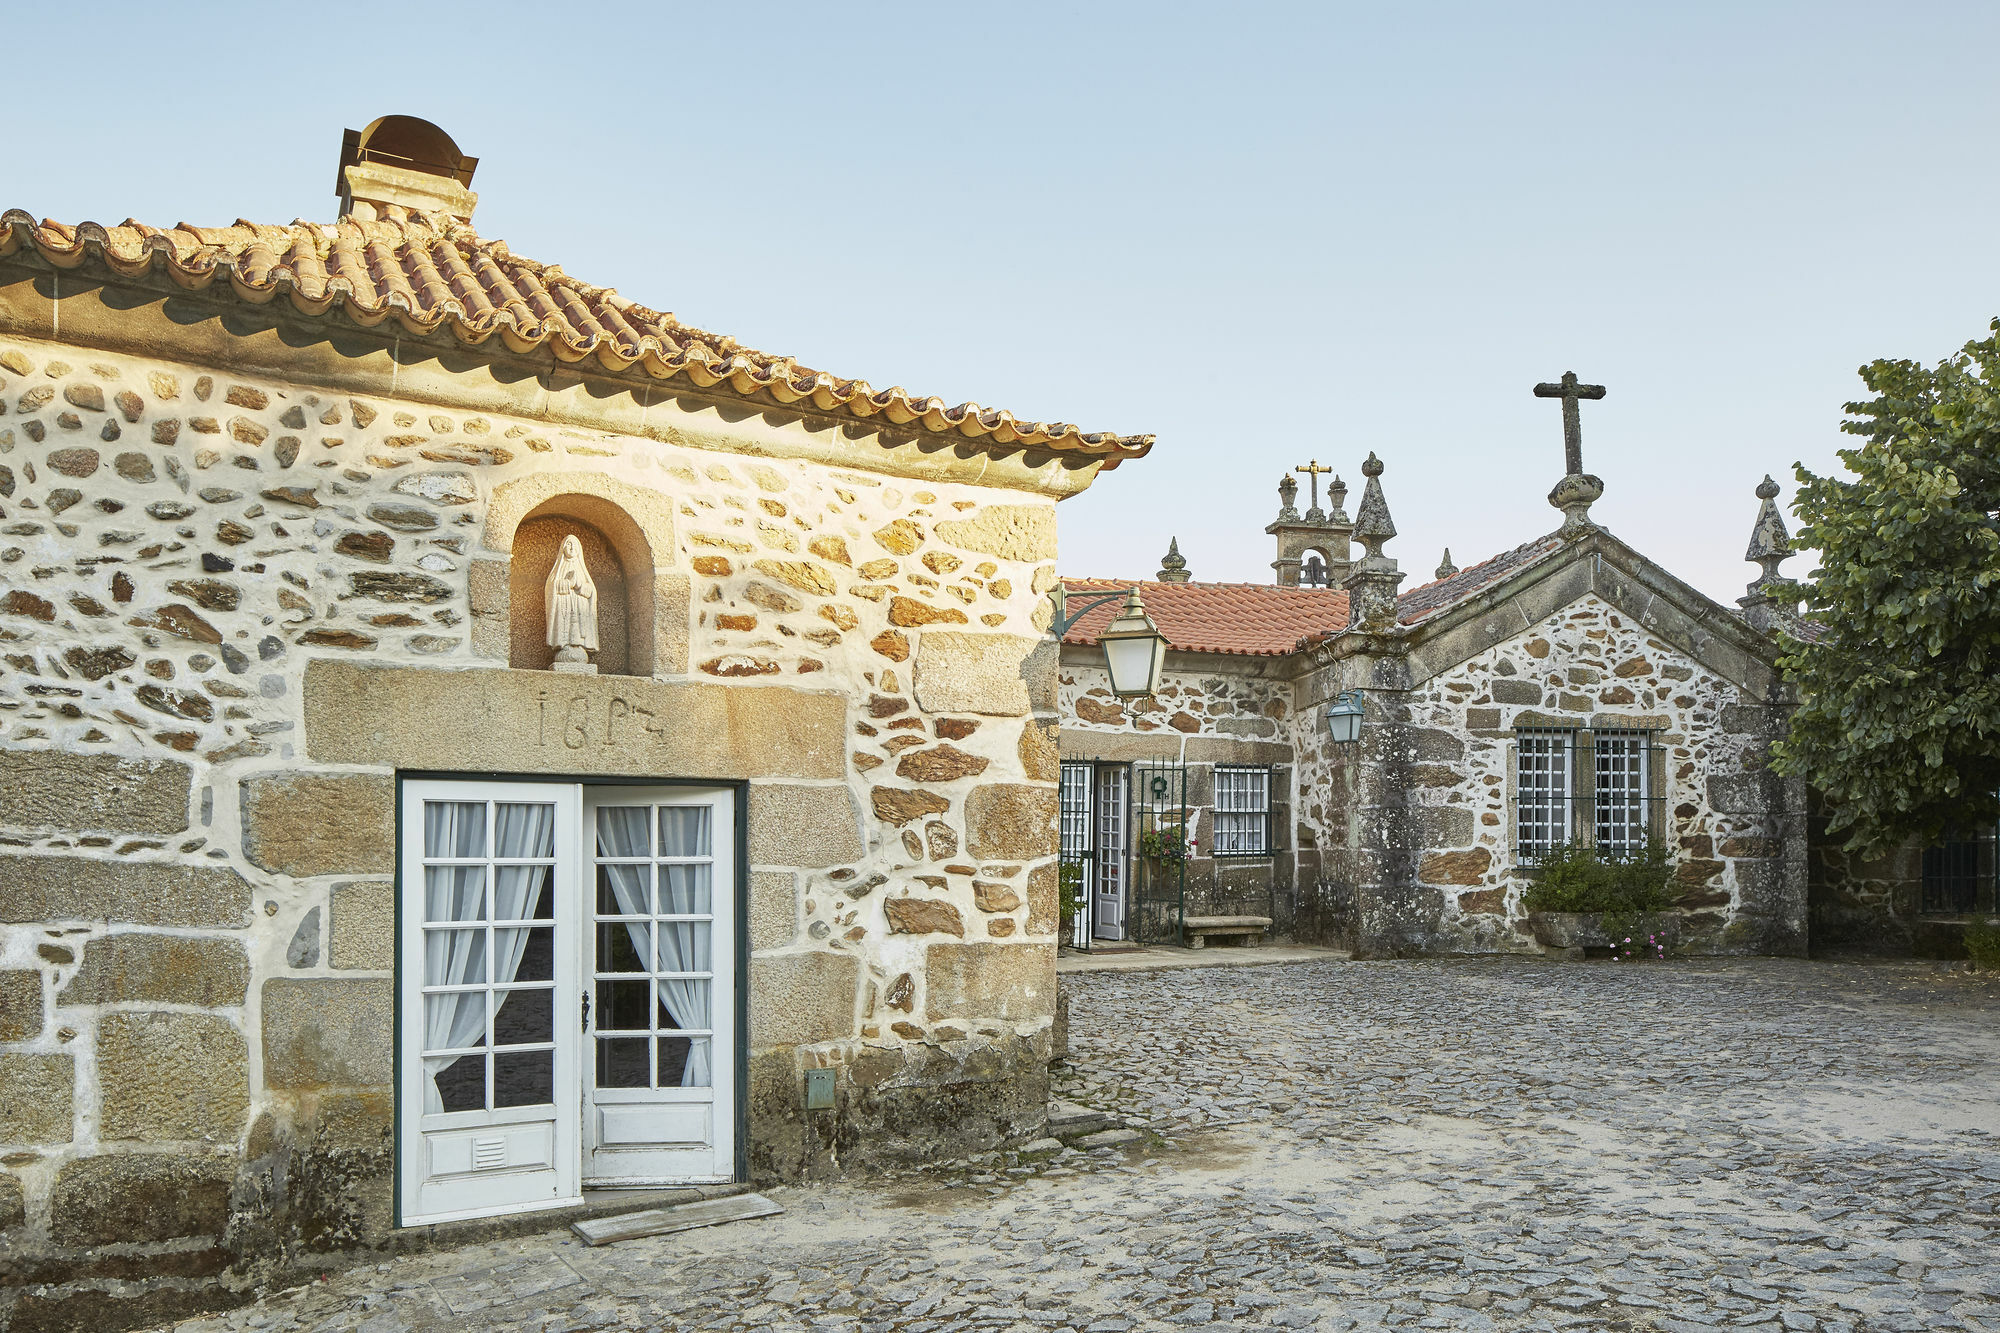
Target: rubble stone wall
(1590,666)
(231,608)
(1215,710)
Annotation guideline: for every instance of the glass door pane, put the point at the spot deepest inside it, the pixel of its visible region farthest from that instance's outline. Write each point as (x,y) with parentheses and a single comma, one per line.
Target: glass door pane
(653,967)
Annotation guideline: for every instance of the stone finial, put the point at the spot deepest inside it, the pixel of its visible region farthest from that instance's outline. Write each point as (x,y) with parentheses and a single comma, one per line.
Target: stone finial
(1288,492)
(1336,499)
(1772,597)
(1770,542)
(1445,568)
(1574,495)
(1371,584)
(1173,569)
(1373,524)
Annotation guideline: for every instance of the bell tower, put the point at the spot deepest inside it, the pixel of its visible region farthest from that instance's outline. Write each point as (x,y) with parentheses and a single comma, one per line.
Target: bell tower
(1313,548)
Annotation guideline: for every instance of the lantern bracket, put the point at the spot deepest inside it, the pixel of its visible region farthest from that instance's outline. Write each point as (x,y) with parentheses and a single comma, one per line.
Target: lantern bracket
(1066,620)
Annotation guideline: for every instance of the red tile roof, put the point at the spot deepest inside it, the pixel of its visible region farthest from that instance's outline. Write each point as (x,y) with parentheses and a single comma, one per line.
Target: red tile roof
(1265,620)
(1255,619)
(431,272)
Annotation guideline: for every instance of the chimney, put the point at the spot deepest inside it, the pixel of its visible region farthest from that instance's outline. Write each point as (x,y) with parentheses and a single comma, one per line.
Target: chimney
(403,162)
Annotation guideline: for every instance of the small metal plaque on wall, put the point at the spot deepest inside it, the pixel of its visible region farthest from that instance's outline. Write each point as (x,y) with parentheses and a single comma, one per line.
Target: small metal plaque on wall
(819,1090)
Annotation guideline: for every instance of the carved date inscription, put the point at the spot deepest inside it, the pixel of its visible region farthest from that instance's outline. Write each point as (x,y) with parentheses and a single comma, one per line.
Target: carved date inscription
(577,723)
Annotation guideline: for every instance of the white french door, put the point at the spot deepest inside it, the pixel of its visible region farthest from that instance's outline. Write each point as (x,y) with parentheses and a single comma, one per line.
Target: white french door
(1109,908)
(566,993)
(490,886)
(660,1102)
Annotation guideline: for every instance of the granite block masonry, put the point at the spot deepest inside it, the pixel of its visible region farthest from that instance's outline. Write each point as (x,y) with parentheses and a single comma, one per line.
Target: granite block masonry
(264,563)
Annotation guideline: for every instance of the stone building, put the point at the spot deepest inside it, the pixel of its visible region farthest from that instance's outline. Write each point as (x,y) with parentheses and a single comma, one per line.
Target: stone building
(340,898)
(1567,689)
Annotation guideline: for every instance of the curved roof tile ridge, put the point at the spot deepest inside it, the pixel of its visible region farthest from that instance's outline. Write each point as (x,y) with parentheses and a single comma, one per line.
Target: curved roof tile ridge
(434,272)
(1246,619)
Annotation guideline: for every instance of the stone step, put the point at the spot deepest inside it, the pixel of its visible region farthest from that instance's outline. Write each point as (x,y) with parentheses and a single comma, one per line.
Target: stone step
(680,1217)
(1067,1120)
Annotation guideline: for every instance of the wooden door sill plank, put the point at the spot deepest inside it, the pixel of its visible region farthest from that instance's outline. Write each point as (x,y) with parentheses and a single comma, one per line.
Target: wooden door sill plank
(680,1217)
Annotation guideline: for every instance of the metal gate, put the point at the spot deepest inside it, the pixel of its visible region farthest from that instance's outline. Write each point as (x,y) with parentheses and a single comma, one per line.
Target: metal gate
(1161,829)
(1077,878)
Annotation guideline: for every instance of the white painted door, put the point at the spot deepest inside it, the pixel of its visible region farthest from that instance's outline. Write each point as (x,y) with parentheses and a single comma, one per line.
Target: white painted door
(1109,909)
(490,904)
(659,1101)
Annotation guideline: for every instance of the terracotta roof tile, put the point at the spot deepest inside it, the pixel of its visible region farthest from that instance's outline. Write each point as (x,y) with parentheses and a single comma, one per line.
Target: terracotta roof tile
(1261,619)
(428,273)
(1254,619)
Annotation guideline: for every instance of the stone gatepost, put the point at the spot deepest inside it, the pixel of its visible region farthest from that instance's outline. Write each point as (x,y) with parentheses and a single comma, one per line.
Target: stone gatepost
(1372,836)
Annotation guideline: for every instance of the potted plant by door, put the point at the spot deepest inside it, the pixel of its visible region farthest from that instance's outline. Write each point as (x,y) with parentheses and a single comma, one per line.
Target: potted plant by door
(1583,898)
(1165,843)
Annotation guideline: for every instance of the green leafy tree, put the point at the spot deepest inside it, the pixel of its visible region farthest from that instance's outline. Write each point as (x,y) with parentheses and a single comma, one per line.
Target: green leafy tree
(1899,722)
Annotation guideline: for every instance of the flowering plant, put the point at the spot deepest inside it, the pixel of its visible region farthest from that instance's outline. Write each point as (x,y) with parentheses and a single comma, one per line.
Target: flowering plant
(1167,843)
(1634,946)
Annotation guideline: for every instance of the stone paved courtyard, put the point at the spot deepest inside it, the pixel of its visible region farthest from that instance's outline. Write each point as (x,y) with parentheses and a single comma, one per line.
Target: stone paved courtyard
(1429,1145)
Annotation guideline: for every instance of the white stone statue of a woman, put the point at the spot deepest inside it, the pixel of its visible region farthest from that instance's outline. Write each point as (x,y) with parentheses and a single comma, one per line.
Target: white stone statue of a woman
(571,601)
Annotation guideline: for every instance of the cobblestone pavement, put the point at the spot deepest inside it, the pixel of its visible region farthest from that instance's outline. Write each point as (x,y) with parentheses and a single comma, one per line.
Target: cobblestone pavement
(1427,1145)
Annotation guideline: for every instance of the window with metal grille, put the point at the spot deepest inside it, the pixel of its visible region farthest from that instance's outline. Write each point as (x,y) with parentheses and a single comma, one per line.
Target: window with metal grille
(1622,783)
(1242,811)
(1075,810)
(1542,786)
(1598,786)
(1959,876)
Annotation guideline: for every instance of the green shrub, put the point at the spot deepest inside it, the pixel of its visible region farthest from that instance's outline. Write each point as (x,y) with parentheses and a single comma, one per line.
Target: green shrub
(1579,878)
(1982,942)
(1069,884)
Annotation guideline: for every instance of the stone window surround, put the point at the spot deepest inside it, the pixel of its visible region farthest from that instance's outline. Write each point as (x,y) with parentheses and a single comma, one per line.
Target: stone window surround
(1581,758)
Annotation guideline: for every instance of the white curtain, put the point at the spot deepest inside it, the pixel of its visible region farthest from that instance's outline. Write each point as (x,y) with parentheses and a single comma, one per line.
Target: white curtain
(458,894)
(518,830)
(622,831)
(684,831)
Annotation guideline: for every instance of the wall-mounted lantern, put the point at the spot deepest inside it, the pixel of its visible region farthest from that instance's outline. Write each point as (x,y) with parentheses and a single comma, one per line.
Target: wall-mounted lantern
(1134,649)
(1343,717)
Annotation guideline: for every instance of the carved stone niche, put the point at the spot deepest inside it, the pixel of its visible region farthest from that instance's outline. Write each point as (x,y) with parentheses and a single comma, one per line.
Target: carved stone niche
(620,562)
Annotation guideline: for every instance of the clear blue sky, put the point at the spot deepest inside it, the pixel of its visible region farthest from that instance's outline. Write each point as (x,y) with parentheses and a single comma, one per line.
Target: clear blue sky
(1262,233)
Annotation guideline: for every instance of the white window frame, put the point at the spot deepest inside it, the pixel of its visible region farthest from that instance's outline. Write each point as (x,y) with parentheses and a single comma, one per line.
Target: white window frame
(1544,778)
(1242,811)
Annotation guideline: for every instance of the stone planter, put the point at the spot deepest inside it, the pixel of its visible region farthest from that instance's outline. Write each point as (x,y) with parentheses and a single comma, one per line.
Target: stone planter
(1573,932)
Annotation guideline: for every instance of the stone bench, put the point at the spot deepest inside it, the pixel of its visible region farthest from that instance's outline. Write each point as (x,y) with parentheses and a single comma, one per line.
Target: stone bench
(1197,929)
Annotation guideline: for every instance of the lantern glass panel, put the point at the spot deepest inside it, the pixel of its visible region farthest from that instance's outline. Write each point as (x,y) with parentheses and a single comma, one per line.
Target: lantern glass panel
(1133,664)
(1343,720)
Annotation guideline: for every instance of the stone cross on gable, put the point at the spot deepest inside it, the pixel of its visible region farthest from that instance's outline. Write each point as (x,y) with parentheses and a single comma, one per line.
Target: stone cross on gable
(1313,470)
(1570,392)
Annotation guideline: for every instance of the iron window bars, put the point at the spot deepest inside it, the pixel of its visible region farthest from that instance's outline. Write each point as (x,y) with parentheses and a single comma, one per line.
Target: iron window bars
(1606,787)
(1242,811)
(1959,875)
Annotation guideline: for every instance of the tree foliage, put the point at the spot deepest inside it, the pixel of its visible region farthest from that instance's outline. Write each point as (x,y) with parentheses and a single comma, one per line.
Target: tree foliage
(1899,674)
